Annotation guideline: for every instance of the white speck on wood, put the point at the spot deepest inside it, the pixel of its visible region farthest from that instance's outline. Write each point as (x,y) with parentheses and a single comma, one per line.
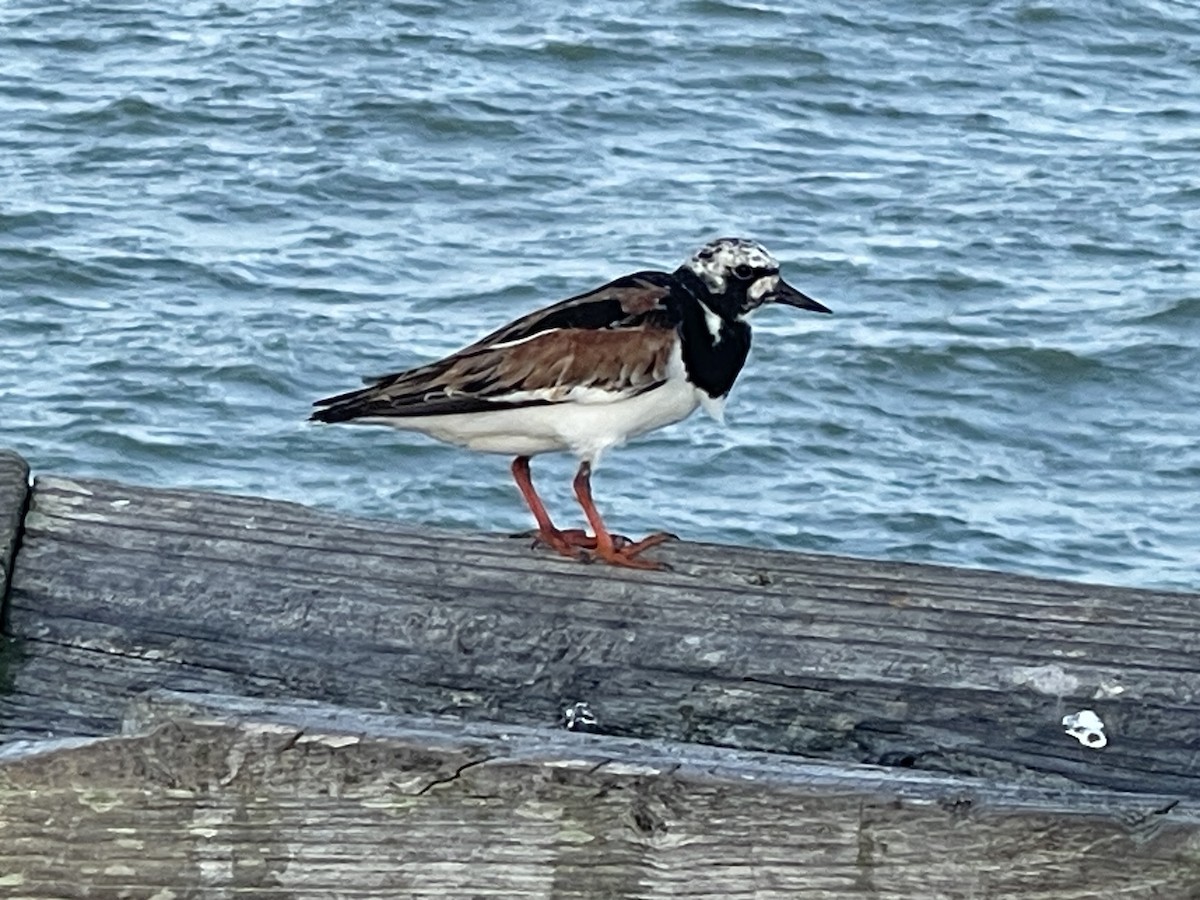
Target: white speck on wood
(1087,728)
(334,741)
(1107,690)
(1051,680)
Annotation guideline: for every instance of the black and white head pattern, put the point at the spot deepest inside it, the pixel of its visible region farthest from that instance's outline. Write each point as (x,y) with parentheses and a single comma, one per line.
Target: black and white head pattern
(725,258)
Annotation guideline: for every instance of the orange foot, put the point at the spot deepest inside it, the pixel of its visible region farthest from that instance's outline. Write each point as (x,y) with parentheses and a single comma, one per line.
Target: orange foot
(578,544)
(621,551)
(572,543)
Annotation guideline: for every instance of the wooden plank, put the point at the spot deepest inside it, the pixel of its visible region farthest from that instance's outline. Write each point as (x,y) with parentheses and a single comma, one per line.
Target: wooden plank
(233,797)
(14,488)
(120,588)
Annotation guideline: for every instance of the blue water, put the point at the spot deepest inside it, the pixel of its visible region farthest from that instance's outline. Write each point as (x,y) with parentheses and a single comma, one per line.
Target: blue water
(212,214)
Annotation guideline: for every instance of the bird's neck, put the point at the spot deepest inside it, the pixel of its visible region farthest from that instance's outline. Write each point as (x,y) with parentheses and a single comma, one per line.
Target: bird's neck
(714,346)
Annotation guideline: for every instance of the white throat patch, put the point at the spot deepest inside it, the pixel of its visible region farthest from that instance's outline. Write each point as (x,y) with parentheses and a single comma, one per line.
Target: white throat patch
(713,322)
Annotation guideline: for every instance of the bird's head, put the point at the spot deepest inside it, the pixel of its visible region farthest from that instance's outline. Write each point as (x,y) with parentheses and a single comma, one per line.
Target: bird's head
(739,276)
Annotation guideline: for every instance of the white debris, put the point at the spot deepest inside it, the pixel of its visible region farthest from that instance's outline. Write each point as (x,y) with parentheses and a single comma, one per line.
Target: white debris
(1106,690)
(1087,728)
(579,717)
(1051,680)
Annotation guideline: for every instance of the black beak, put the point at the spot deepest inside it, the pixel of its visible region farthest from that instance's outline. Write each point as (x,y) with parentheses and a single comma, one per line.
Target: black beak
(786,294)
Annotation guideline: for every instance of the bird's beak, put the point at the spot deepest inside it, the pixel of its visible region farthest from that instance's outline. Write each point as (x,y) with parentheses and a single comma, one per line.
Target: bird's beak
(786,294)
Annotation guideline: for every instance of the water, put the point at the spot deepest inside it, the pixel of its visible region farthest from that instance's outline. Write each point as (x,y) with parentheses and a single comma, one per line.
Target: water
(213,214)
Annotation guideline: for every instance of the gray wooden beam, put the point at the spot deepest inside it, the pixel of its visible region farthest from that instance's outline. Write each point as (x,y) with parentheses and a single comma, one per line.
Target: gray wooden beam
(966,673)
(227,796)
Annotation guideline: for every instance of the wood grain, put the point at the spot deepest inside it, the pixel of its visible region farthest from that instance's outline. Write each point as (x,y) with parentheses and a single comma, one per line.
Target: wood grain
(14,491)
(14,488)
(120,589)
(321,706)
(229,797)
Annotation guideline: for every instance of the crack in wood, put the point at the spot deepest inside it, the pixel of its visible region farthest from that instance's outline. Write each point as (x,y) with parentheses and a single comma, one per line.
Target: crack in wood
(449,779)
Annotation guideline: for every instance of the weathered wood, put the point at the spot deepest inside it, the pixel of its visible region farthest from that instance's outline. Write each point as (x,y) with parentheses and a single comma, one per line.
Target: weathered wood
(118,589)
(14,488)
(234,798)
(14,492)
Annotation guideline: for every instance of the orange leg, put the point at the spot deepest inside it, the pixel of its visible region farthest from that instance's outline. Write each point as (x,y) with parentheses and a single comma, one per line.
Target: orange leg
(614,549)
(569,543)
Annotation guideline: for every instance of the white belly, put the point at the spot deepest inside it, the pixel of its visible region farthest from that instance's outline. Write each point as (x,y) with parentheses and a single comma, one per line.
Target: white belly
(586,429)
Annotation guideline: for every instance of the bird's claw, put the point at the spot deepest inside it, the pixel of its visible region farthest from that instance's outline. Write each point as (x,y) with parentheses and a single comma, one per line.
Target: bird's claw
(577,544)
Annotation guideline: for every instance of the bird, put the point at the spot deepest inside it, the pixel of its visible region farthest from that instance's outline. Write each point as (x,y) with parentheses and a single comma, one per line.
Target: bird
(586,374)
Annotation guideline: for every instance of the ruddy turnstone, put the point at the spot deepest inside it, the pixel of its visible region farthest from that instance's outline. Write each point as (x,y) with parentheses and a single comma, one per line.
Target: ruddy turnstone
(587,374)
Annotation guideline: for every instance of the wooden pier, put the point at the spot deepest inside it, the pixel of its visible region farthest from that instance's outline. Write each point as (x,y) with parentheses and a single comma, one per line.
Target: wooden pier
(210,696)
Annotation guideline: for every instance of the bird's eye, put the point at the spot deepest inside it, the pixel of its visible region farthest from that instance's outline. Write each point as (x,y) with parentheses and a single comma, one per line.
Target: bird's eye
(743,271)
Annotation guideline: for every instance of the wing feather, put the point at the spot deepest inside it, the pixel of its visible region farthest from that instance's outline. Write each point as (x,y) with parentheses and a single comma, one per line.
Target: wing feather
(611,343)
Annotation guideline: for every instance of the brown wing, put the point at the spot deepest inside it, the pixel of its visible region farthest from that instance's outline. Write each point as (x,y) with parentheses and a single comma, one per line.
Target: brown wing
(612,343)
